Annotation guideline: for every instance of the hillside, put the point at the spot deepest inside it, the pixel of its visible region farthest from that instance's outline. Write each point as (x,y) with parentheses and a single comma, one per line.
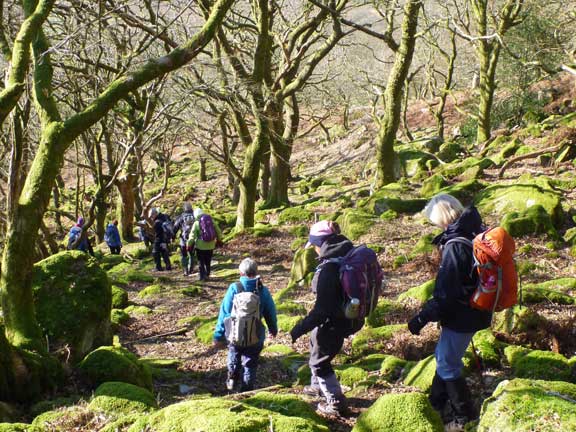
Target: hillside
(168,318)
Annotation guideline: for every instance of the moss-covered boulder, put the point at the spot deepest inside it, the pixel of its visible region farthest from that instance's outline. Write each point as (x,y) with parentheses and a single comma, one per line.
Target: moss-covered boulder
(385,200)
(118,317)
(529,405)
(412,161)
(350,375)
(465,191)
(303,265)
(295,215)
(392,367)
(537,364)
(559,291)
(73,301)
(400,413)
(216,414)
(355,223)
(287,322)
(517,319)
(450,151)
(107,262)
(488,348)
(122,398)
(370,339)
(500,199)
(119,297)
(384,310)
(422,373)
(533,220)
(151,290)
(420,293)
(19,427)
(112,363)
(432,185)
(205,331)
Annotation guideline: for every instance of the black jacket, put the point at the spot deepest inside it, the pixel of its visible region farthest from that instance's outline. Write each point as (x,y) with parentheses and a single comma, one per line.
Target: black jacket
(456,279)
(329,306)
(159,234)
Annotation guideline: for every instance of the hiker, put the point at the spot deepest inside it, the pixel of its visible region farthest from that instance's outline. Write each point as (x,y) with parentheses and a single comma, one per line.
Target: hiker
(143,234)
(161,239)
(455,282)
(184,224)
(78,238)
(244,347)
(112,238)
(326,320)
(204,235)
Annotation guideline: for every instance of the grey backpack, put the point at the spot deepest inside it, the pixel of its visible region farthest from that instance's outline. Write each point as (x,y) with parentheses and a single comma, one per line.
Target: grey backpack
(242,325)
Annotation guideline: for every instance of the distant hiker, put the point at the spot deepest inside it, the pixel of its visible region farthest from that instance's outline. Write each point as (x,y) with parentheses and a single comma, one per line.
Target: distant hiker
(204,235)
(78,238)
(326,320)
(161,239)
(184,224)
(143,234)
(112,238)
(455,282)
(240,325)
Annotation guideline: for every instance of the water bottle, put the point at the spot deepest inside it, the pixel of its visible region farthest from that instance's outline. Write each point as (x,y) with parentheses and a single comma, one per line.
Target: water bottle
(352,308)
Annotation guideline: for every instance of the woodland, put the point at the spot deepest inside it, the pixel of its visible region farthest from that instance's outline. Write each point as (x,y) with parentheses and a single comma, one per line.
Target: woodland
(271,115)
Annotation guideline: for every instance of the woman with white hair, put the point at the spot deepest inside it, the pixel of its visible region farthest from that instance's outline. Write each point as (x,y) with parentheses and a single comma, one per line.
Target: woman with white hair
(455,283)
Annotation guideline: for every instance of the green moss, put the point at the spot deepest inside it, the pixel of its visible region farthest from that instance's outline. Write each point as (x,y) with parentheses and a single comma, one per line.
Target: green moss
(191,291)
(517,319)
(122,398)
(454,170)
(73,300)
(118,317)
(205,331)
(537,364)
(423,246)
(412,161)
(290,308)
(119,297)
(527,405)
(304,263)
(383,309)
(19,427)
(151,290)
(464,190)
(286,322)
(109,261)
(519,197)
(115,364)
(299,231)
(121,423)
(535,294)
(138,310)
(125,273)
(285,404)
(303,375)
(421,293)
(373,338)
(214,414)
(389,215)
(400,413)
(450,151)
(422,374)
(51,404)
(371,362)
(384,200)
(487,348)
(355,223)
(57,420)
(295,215)
(432,185)
(351,376)
(533,220)
(391,368)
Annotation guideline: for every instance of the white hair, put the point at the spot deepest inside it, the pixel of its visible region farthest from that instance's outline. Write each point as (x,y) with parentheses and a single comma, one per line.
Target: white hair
(153,213)
(248,267)
(443,209)
(198,212)
(187,207)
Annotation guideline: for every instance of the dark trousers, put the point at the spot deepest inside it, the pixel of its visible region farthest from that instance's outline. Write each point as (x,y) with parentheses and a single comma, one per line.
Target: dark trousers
(187,258)
(325,342)
(115,250)
(204,262)
(245,360)
(159,253)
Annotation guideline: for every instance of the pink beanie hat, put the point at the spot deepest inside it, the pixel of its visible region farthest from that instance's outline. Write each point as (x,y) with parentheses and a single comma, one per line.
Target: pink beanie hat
(320,231)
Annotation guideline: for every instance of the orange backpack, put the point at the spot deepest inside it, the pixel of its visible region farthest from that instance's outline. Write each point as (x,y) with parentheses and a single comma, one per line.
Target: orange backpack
(493,252)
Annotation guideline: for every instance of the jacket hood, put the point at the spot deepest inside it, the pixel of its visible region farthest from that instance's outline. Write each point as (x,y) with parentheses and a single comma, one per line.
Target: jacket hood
(468,225)
(335,246)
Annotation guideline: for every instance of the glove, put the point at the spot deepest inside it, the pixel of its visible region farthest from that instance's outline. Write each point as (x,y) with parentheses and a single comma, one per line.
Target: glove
(416,324)
(294,334)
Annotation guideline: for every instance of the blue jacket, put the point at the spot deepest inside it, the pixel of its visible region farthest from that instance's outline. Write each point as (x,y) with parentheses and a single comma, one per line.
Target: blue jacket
(112,236)
(83,246)
(456,279)
(267,309)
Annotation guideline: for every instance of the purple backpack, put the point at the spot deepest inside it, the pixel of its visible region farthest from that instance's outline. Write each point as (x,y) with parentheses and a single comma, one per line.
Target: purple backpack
(361,277)
(207,230)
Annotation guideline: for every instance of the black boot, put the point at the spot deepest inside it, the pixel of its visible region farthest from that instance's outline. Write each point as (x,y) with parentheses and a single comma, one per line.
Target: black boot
(461,400)
(438,395)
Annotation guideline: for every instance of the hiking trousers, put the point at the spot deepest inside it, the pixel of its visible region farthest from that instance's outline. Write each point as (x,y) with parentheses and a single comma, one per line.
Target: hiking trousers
(187,259)
(325,342)
(204,262)
(243,361)
(161,253)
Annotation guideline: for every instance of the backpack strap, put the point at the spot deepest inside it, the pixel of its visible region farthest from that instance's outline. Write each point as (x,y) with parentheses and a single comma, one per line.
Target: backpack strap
(239,287)
(462,240)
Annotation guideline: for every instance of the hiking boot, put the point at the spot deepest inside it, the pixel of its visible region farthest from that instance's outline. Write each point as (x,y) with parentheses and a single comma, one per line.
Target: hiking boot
(456,425)
(312,390)
(334,408)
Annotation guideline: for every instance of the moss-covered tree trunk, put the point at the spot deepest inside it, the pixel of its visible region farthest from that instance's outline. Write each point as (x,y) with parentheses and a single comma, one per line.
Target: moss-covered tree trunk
(389,123)
(488,50)
(126,185)
(57,135)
